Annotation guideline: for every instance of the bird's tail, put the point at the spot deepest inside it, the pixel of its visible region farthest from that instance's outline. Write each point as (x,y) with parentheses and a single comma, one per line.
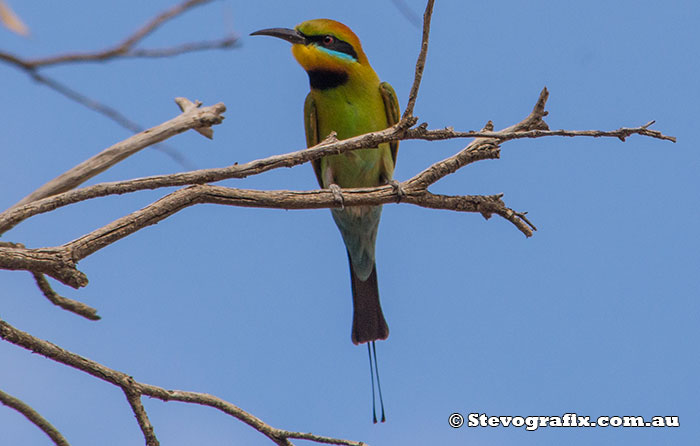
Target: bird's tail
(368,322)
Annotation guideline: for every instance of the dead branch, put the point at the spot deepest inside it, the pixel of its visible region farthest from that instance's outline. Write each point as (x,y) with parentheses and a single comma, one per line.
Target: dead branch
(192,118)
(154,53)
(33,416)
(18,213)
(107,111)
(126,48)
(134,389)
(413,191)
(52,262)
(420,63)
(92,104)
(71,305)
(134,399)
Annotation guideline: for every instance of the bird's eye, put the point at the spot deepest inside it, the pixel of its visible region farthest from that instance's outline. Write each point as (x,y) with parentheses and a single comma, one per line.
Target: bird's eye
(328,40)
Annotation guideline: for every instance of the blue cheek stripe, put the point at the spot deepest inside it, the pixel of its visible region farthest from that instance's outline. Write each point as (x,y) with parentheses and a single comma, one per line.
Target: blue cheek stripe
(337,54)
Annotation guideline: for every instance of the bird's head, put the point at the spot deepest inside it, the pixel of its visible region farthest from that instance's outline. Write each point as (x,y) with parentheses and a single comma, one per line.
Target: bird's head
(323,45)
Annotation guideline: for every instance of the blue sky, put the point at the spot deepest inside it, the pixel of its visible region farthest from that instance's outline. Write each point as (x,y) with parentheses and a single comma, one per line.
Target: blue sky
(596,314)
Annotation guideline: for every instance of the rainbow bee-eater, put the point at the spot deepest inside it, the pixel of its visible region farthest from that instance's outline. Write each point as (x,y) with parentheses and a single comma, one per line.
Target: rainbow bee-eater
(347,98)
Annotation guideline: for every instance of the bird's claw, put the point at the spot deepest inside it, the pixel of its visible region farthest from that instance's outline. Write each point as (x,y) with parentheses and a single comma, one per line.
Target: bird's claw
(337,195)
(398,190)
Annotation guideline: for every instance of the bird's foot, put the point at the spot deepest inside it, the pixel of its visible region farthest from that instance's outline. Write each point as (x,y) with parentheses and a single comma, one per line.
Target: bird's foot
(398,190)
(337,195)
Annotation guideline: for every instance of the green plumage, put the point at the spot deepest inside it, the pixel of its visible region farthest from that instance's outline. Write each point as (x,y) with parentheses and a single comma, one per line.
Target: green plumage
(347,98)
(350,113)
(351,110)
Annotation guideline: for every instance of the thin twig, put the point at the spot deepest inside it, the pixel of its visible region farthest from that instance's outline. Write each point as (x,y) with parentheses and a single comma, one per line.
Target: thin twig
(107,111)
(81,99)
(32,65)
(154,53)
(33,416)
(420,63)
(157,21)
(132,387)
(123,48)
(193,118)
(71,305)
(485,147)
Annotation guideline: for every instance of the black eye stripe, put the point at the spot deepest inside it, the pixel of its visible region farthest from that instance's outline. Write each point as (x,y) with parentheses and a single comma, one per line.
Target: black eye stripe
(336,45)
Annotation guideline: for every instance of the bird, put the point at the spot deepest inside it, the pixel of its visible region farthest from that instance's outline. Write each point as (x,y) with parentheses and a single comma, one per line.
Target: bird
(348,98)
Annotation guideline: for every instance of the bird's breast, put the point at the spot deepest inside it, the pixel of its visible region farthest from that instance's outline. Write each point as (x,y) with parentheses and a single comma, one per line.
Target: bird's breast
(351,110)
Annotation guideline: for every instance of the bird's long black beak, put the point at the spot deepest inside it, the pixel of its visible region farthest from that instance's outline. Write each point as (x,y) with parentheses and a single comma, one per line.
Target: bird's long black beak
(290,35)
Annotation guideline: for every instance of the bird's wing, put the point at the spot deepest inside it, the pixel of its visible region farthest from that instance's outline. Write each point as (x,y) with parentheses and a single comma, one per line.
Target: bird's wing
(393,113)
(311,129)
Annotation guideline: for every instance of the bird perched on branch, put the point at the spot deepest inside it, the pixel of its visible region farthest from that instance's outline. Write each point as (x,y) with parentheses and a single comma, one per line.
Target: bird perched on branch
(347,98)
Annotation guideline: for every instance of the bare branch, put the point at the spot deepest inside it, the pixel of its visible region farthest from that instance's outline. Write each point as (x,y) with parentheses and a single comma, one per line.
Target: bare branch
(60,262)
(413,191)
(420,63)
(134,399)
(15,215)
(81,99)
(507,135)
(122,49)
(230,41)
(186,106)
(191,119)
(154,53)
(484,147)
(107,111)
(53,262)
(133,388)
(71,305)
(157,21)
(33,416)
